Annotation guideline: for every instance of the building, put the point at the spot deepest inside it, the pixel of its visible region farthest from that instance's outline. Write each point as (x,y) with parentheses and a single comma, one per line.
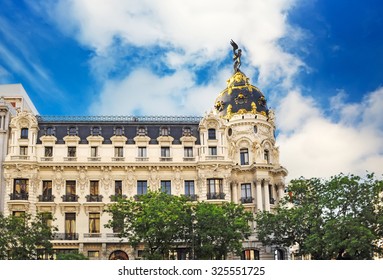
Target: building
(73,167)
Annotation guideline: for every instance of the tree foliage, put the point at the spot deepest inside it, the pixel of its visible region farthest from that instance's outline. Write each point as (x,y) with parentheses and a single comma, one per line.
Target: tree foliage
(339,218)
(22,237)
(163,222)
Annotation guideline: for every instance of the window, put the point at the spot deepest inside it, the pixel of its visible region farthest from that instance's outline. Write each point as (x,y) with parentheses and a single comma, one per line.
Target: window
(93,189)
(187,131)
(189,188)
(47,218)
(188,151)
(70,226)
(96,131)
(166,187)
(94,151)
(50,131)
(72,131)
(118,187)
(141,151)
(118,151)
(48,151)
(250,255)
(24,133)
(142,187)
(18,213)
(164,131)
(165,151)
(215,189)
(211,134)
(70,188)
(246,193)
(94,222)
(118,131)
(141,131)
(71,151)
(93,254)
(23,150)
(267,156)
(20,189)
(212,151)
(47,191)
(244,155)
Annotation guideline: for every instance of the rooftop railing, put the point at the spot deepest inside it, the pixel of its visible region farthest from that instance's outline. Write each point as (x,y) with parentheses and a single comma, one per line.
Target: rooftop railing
(133,119)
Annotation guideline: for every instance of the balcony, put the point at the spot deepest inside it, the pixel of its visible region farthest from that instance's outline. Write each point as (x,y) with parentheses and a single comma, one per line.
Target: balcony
(214,157)
(46,158)
(191,197)
(65,236)
(20,157)
(247,199)
(46,198)
(189,158)
(117,197)
(142,158)
(69,198)
(70,158)
(166,159)
(216,195)
(94,198)
(94,158)
(92,235)
(18,196)
(118,159)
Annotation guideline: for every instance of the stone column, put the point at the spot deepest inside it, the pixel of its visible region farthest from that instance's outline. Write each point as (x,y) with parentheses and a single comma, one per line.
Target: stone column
(281,191)
(234,194)
(259,195)
(266,194)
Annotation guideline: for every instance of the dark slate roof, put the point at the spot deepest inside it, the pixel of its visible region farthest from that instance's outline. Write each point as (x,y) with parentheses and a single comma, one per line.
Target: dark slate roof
(83,126)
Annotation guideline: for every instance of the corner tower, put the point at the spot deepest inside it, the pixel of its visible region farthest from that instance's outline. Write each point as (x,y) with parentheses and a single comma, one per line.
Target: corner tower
(246,154)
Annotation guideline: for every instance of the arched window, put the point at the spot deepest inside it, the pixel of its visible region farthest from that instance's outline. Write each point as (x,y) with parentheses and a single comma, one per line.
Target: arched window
(279,254)
(250,254)
(164,131)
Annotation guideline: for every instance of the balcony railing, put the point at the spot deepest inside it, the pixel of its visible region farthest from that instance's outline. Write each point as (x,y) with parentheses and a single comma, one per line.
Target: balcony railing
(166,159)
(70,158)
(20,157)
(191,197)
(92,235)
(118,158)
(247,199)
(65,236)
(214,157)
(116,197)
(46,198)
(46,158)
(216,195)
(142,158)
(69,198)
(18,196)
(189,158)
(94,158)
(94,198)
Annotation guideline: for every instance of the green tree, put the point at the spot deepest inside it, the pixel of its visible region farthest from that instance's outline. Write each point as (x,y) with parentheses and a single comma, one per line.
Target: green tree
(157,219)
(339,218)
(71,256)
(220,229)
(22,237)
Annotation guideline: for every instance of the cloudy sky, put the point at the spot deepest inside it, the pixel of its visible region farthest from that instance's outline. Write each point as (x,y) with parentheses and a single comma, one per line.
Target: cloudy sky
(319,63)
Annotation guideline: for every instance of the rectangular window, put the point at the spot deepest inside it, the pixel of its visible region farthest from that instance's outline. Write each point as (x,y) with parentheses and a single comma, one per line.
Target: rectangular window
(189,188)
(93,254)
(212,151)
(267,156)
(142,187)
(47,218)
(47,191)
(48,151)
(166,187)
(142,152)
(23,150)
(71,151)
(118,187)
(94,151)
(188,151)
(118,152)
(70,226)
(70,188)
(244,155)
(165,152)
(211,134)
(94,222)
(93,189)
(215,188)
(246,190)
(20,189)
(24,133)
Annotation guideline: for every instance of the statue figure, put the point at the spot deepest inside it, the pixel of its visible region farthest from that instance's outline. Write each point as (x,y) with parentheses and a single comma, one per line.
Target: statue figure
(237,56)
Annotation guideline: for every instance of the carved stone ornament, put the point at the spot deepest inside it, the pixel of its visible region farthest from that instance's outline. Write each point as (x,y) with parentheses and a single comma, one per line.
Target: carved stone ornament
(82,178)
(130,179)
(58,179)
(106,179)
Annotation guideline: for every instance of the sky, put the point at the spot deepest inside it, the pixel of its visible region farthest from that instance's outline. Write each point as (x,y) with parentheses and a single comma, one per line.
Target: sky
(319,64)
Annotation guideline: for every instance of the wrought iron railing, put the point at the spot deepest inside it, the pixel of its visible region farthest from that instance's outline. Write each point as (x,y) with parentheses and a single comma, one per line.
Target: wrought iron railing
(69,198)
(46,198)
(247,199)
(156,119)
(18,196)
(94,198)
(216,195)
(65,236)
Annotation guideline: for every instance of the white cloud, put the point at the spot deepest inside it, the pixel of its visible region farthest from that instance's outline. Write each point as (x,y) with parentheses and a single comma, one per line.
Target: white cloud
(313,145)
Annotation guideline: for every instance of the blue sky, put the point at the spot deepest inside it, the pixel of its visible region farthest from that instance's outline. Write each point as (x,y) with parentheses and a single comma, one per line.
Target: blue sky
(319,63)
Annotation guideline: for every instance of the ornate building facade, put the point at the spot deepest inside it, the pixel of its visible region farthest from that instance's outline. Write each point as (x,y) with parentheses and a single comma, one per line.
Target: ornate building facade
(73,167)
